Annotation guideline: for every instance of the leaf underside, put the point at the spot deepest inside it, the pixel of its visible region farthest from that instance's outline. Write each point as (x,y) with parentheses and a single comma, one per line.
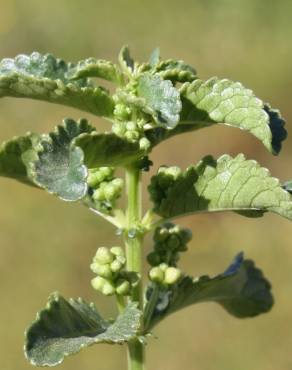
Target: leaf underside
(162,100)
(43,77)
(226,184)
(241,290)
(108,149)
(65,327)
(60,168)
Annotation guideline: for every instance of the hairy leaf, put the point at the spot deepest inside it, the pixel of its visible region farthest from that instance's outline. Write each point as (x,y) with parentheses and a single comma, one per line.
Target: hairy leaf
(15,157)
(92,67)
(228,184)
(108,149)
(59,168)
(227,102)
(65,327)
(241,290)
(125,60)
(43,77)
(162,100)
(176,71)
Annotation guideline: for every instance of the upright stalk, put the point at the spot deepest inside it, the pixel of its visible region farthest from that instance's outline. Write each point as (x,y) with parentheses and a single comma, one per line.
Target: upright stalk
(133,241)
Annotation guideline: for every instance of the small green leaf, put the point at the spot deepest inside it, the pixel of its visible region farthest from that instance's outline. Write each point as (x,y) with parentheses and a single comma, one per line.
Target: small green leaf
(15,156)
(176,71)
(92,67)
(42,77)
(108,149)
(59,168)
(228,184)
(241,290)
(227,102)
(162,100)
(65,327)
(125,60)
(154,57)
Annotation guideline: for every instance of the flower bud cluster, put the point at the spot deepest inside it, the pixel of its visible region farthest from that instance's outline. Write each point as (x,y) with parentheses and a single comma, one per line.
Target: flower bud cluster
(105,188)
(161,183)
(109,265)
(169,241)
(133,132)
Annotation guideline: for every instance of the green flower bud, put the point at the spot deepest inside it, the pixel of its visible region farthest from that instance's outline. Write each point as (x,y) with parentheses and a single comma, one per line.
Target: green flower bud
(153,258)
(163,266)
(109,191)
(118,183)
(106,172)
(131,126)
(117,251)
(104,271)
(103,285)
(98,195)
(121,259)
(103,256)
(132,135)
(108,288)
(119,129)
(156,274)
(172,275)
(122,112)
(92,180)
(161,234)
(144,143)
(173,242)
(116,266)
(123,287)
(186,235)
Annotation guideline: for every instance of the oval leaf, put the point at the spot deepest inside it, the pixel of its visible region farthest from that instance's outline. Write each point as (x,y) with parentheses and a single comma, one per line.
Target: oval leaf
(241,290)
(43,77)
(65,327)
(230,103)
(228,184)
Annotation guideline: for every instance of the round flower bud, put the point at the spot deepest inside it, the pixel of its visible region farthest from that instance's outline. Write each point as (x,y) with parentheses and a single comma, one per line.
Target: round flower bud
(117,251)
(119,129)
(144,143)
(161,234)
(98,195)
(122,112)
(118,183)
(123,287)
(132,135)
(153,258)
(109,191)
(186,235)
(173,242)
(103,256)
(156,274)
(106,172)
(98,283)
(172,275)
(108,288)
(163,266)
(131,126)
(116,266)
(104,271)
(92,180)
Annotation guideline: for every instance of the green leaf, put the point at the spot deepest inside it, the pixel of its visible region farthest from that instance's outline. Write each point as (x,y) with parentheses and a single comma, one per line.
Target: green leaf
(227,102)
(162,100)
(228,184)
(154,57)
(241,290)
(92,67)
(125,60)
(108,149)
(59,168)
(42,77)
(65,327)
(15,156)
(176,71)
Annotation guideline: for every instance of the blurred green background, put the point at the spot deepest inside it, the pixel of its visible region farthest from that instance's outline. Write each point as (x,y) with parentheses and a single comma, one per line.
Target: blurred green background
(47,245)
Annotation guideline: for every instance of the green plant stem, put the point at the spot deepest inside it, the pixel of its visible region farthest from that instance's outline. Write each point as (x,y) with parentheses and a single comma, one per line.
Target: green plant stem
(151,306)
(133,241)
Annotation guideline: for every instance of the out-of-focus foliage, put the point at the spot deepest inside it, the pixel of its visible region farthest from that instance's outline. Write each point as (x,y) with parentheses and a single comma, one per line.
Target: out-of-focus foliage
(47,244)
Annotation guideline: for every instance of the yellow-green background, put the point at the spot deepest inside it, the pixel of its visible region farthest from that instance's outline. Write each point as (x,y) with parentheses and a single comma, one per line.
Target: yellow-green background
(46,245)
